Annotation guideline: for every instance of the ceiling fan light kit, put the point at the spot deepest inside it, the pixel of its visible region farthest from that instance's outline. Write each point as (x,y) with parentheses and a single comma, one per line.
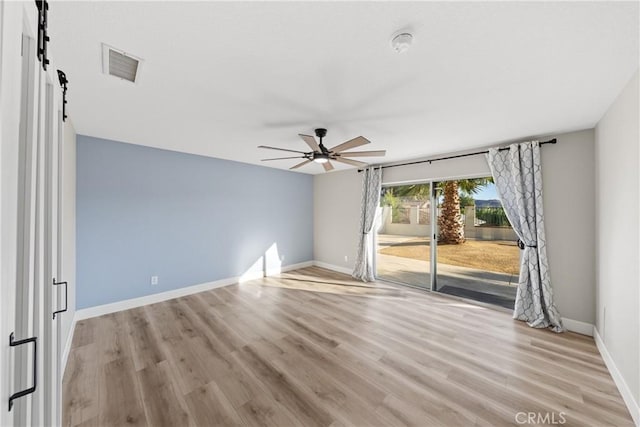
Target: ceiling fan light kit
(323,155)
(320,158)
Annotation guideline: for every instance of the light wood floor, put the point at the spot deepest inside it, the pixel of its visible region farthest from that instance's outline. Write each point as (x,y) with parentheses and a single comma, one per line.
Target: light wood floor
(315,348)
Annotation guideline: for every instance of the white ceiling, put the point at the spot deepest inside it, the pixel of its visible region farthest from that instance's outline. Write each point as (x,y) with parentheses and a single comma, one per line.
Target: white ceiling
(219,79)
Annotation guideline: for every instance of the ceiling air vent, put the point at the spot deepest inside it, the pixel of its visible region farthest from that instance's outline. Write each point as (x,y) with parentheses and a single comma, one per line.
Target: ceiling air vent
(119,64)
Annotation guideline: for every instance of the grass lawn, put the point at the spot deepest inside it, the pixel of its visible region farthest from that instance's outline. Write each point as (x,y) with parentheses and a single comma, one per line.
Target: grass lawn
(497,256)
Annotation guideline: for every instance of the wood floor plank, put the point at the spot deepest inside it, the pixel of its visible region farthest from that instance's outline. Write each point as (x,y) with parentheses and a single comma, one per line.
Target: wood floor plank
(316,348)
(261,411)
(190,369)
(81,385)
(92,422)
(334,396)
(83,333)
(358,385)
(227,338)
(210,407)
(143,341)
(161,397)
(112,338)
(284,390)
(121,401)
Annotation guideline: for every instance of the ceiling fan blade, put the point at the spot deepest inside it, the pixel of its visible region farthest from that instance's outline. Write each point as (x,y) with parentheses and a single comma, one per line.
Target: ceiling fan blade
(364,153)
(300,164)
(350,162)
(327,166)
(280,149)
(282,158)
(311,141)
(352,143)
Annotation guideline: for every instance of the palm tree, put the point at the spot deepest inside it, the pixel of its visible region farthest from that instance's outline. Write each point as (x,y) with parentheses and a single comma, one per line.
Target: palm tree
(450,224)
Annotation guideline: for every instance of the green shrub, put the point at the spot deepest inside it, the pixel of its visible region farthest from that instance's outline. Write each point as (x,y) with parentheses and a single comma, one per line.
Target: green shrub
(493,216)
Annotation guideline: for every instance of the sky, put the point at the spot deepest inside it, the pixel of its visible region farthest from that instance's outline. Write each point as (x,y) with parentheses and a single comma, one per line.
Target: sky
(488,192)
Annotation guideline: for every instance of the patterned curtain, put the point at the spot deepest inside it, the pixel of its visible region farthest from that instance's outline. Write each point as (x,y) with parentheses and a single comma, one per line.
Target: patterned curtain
(518,178)
(370,201)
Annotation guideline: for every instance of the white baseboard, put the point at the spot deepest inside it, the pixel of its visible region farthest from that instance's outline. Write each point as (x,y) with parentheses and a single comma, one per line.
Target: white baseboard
(273,272)
(333,267)
(100,310)
(578,326)
(624,389)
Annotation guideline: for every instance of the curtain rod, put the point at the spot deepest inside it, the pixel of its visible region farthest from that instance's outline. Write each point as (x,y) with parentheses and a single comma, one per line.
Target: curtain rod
(551,141)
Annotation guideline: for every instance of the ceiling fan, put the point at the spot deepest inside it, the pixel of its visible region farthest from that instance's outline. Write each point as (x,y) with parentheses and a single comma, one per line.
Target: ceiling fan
(324,155)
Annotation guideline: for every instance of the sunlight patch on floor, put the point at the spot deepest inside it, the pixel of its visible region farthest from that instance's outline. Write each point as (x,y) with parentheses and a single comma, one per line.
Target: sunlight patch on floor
(315,284)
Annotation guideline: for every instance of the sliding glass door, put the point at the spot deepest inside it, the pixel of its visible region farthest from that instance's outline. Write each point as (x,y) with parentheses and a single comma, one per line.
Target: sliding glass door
(466,243)
(477,254)
(403,240)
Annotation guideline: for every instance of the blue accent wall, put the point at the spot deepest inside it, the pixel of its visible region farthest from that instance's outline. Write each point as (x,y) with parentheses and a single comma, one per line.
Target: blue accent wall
(187,219)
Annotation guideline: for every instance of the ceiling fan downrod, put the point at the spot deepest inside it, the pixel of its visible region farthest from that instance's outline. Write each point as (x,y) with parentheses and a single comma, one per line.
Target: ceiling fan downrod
(321,133)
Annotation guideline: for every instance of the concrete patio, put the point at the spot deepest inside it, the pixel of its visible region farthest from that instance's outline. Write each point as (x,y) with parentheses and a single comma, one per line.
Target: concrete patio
(480,285)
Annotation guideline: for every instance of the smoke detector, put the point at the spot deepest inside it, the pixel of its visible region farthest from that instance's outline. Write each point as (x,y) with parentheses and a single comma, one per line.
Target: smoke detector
(401,42)
(117,63)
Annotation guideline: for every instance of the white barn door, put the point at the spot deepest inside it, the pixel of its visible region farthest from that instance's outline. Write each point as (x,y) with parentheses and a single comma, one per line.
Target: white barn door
(28,228)
(30,101)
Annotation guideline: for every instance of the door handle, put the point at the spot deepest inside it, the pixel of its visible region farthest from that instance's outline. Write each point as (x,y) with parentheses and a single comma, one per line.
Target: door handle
(31,389)
(66,302)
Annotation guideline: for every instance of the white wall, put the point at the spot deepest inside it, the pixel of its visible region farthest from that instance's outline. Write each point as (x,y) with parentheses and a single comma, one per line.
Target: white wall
(617,283)
(68,273)
(568,178)
(473,166)
(336,217)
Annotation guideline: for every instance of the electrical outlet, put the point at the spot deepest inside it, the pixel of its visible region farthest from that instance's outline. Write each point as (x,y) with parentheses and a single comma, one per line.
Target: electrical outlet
(346,258)
(281,258)
(154,280)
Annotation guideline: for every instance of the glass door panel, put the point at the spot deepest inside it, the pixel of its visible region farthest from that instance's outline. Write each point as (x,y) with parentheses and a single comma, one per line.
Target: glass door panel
(477,255)
(403,239)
